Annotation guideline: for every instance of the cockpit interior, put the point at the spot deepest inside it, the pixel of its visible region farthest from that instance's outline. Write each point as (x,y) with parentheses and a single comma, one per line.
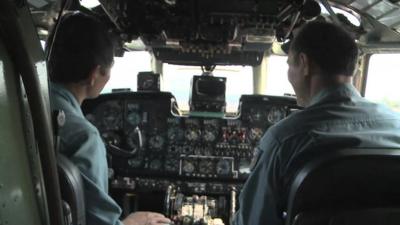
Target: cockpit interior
(191,163)
(188,166)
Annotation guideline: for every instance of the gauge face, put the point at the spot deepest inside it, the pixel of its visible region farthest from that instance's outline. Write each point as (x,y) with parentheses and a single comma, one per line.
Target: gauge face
(133,118)
(132,140)
(136,162)
(171,164)
(255,134)
(110,115)
(210,131)
(175,134)
(275,115)
(224,167)
(156,142)
(188,166)
(206,167)
(256,115)
(111,138)
(192,134)
(210,134)
(155,164)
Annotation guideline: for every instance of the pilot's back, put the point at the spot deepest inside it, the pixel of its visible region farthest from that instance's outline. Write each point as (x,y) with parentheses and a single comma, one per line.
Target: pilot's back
(336,118)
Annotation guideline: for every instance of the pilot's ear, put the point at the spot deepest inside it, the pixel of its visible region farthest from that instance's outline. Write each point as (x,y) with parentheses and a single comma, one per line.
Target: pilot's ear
(305,63)
(94,73)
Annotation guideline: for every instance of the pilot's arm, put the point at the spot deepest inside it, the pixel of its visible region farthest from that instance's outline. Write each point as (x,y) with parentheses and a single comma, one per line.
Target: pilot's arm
(90,158)
(258,201)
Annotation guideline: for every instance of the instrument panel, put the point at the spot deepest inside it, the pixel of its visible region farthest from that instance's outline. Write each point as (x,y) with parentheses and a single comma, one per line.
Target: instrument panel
(143,136)
(154,151)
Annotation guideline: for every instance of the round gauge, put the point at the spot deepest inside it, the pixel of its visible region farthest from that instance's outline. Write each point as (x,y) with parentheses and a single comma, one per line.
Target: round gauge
(133,140)
(224,167)
(255,134)
(206,167)
(275,115)
(136,162)
(111,138)
(171,164)
(209,135)
(188,166)
(256,116)
(156,142)
(175,134)
(133,118)
(192,134)
(111,115)
(155,164)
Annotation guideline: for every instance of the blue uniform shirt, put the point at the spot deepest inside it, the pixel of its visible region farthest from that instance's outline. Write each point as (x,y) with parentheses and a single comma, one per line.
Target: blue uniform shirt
(337,116)
(81,143)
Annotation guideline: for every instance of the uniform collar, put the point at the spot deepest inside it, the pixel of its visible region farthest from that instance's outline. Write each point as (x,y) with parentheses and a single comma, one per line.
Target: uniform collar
(66,95)
(341,91)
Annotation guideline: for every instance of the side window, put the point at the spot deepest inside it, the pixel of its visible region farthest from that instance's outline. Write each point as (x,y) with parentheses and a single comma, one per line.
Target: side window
(125,70)
(277,79)
(383,80)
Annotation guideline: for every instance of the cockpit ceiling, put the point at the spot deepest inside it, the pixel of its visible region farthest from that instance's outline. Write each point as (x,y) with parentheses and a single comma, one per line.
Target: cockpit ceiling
(386,12)
(380,19)
(203,32)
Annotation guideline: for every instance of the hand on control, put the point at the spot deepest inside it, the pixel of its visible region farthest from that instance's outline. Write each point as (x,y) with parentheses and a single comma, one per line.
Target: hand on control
(146,218)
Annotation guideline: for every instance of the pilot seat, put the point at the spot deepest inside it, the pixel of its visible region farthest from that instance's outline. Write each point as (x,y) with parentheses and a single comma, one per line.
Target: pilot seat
(358,186)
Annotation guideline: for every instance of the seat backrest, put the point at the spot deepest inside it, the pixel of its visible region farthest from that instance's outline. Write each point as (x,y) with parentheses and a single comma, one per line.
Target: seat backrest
(72,189)
(71,185)
(379,216)
(344,180)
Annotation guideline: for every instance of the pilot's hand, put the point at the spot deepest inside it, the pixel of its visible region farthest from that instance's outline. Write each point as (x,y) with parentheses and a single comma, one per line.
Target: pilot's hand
(146,218)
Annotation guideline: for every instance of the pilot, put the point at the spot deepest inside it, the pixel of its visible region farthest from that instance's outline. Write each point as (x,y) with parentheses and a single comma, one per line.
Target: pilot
(322,59)
(79,65)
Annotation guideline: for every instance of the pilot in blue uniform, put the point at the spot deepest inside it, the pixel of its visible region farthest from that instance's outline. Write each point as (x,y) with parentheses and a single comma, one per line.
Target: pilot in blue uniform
(79,67)
(322,58)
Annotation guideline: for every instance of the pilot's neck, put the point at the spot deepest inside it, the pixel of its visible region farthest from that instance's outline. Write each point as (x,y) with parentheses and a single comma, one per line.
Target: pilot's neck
(319,83)
(78,91)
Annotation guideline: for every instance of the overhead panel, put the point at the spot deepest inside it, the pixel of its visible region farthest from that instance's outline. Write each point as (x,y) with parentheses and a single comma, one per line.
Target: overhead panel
(193,32)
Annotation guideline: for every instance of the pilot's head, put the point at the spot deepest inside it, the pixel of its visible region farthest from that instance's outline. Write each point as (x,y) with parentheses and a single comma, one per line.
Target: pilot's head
(321,54)
(81,54)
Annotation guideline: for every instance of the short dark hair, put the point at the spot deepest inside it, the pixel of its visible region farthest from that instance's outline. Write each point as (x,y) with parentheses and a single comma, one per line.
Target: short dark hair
(80,43)
(329,46)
